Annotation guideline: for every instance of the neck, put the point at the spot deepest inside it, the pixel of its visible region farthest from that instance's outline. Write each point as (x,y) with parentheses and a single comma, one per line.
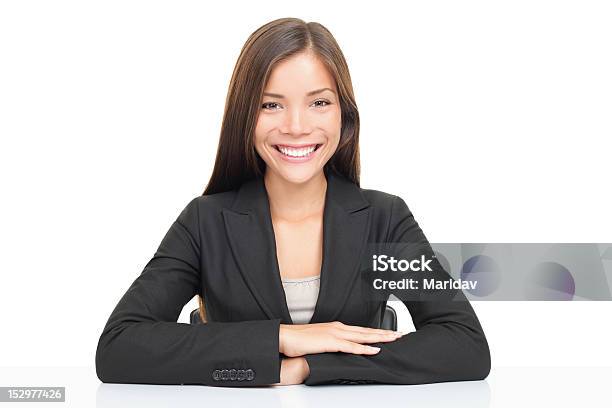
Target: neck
(295,202)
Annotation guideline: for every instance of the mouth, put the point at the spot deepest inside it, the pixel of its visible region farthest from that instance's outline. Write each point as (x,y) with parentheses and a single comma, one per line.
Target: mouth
(297,153)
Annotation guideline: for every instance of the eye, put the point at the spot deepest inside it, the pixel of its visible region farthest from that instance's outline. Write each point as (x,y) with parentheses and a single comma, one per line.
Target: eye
(325,103)
(269,105)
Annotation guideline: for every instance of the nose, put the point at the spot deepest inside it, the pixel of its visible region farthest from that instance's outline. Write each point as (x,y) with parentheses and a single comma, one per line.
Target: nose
(296,122)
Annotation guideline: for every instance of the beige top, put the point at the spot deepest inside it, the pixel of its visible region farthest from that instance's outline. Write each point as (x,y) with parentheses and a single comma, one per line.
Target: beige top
(301,295)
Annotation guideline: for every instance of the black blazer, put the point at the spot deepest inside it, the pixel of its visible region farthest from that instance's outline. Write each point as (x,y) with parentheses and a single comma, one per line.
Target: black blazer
(223,247)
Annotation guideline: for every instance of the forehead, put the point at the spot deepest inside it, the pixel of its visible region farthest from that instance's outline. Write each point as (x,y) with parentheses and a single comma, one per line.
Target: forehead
(300,73)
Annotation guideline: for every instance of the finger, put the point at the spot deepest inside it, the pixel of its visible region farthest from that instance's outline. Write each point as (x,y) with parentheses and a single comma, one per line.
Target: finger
(358,337)
(356,348)
(370,331)
(361,329)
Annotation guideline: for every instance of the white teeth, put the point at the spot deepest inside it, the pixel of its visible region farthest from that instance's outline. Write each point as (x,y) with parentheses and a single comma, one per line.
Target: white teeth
(296,152)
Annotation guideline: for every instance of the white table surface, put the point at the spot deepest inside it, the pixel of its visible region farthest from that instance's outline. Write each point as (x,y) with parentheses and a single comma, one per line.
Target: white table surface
(505,386)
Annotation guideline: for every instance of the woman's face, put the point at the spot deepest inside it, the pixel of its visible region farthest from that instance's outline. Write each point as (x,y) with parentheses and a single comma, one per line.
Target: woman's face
(299,123)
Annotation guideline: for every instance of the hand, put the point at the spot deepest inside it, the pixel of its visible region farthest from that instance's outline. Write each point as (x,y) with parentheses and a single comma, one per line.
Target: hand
(294,370)
(301,339)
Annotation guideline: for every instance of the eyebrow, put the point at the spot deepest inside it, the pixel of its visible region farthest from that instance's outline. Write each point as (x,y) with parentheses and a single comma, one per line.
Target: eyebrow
(275,95)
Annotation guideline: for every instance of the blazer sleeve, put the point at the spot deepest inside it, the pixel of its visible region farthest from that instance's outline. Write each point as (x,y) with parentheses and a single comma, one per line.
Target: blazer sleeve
(448,344)
(142,341)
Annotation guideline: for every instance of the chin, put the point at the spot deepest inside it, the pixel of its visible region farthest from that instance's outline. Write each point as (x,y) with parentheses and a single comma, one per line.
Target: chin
(298,176)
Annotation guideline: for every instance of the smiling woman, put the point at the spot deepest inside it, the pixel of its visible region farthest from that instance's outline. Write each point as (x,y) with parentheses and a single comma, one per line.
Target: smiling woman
(290,89)
(303,123)
(283,207)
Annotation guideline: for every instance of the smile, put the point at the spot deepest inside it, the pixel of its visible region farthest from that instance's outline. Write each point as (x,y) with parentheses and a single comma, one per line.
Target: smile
(297,153)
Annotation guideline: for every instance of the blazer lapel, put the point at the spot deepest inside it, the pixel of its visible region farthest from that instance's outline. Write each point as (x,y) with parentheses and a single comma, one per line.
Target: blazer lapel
(251,237)
(345,230)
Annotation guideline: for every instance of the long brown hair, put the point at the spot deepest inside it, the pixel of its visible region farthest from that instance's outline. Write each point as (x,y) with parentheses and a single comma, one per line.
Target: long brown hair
(237,160)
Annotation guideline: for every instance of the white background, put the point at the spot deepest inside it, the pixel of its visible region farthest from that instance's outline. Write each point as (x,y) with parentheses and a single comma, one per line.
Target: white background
(491,119)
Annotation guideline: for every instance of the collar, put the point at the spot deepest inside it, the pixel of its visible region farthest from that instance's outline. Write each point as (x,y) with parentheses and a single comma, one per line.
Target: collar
(252,195)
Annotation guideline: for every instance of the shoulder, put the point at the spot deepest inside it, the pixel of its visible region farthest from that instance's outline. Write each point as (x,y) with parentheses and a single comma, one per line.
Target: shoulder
(213,202)
(378,197)
(381,200)
(204,208)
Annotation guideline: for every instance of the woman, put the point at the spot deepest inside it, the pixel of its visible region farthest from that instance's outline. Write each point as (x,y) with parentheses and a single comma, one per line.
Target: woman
(284,206)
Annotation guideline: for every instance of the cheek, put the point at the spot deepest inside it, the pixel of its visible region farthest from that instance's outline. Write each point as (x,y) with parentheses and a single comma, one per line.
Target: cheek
(265,123)
(258,141)
(333,126)
(260,132)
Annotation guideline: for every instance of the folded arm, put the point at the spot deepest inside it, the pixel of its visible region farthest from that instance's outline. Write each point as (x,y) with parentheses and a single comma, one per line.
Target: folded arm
(448,344)
(142,341)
